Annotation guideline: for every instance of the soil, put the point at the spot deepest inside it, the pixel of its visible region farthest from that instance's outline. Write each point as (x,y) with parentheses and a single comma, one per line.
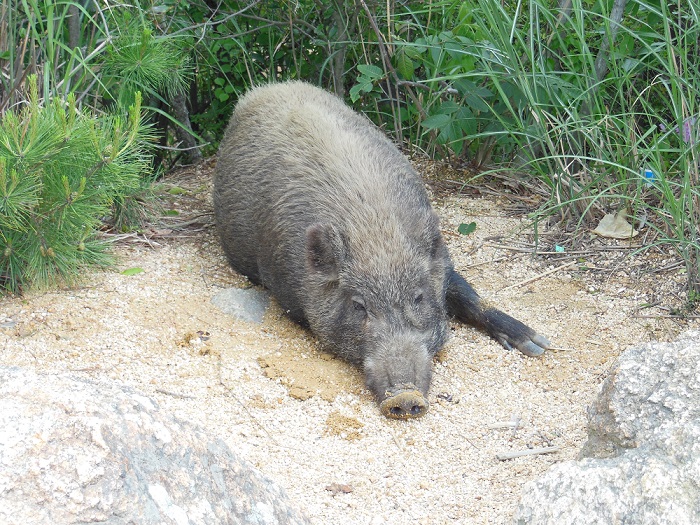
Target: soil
(303,417)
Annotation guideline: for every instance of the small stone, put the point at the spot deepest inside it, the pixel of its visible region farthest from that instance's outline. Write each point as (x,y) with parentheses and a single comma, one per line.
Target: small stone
(246,304)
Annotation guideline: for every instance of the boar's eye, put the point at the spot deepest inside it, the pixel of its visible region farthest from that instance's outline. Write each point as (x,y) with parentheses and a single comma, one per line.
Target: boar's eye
(358,304)
(418,299)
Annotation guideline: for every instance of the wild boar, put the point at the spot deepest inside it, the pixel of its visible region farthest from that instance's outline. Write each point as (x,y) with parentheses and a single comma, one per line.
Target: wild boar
(314,203)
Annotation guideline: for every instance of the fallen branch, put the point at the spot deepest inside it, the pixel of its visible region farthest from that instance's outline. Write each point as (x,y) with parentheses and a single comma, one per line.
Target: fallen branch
(131,237)
(194,220)
(482,263)
(539,276)
(528,452)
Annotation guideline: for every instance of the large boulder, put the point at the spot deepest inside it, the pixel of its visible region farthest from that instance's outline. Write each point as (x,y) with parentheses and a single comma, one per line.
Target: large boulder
(641,463)
(77,451)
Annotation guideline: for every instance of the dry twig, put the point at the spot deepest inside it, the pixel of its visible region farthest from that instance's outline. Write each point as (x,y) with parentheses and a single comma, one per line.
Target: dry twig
(539,276)
(528,452)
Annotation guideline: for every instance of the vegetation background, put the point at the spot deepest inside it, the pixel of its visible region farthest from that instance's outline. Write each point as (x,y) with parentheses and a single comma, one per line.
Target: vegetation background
(594,103)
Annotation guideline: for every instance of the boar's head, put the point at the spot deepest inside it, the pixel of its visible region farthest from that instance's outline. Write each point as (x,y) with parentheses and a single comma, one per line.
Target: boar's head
(380,303)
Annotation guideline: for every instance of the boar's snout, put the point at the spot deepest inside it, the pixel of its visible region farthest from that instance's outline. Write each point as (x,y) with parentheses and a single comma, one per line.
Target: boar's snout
(404,403)
(398,372)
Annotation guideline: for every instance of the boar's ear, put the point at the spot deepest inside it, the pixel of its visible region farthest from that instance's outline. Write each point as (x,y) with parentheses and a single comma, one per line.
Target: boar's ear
(324,250)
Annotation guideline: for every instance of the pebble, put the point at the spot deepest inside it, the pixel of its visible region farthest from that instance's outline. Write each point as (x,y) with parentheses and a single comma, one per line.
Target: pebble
(246,304)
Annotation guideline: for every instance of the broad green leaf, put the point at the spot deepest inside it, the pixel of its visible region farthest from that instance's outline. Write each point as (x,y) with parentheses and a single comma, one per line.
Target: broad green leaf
(466,120)
(466,229)
(404,65)
(413,51)
(370,71)
(364,85)
(436,121)
(476,103)
(420,46)
(448,107)
(355,92)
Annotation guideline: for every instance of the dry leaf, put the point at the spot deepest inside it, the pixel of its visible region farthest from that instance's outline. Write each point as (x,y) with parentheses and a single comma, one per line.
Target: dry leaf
(615,226)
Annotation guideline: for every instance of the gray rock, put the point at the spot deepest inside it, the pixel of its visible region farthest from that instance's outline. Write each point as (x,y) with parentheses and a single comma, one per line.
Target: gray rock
(641,464)
(76,451)
(246,304)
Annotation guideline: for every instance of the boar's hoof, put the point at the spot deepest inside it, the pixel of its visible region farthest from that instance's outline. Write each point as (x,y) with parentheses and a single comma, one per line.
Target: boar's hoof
(511,333)
(404,404)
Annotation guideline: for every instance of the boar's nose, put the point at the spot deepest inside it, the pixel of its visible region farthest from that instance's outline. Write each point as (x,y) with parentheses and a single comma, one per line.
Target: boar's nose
(404,404)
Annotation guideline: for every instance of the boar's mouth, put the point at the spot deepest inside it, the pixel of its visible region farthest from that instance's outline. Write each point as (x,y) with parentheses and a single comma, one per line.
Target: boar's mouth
(404,402)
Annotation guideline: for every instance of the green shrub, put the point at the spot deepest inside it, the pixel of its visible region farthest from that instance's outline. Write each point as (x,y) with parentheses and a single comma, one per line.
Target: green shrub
(102,55)
(61,172)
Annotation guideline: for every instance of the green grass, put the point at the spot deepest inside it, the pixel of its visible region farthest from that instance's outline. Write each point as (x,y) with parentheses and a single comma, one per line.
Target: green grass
(589,139)
(583,102)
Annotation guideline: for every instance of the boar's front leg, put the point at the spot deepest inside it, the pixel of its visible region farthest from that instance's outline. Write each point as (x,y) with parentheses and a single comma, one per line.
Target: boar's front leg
(465,304)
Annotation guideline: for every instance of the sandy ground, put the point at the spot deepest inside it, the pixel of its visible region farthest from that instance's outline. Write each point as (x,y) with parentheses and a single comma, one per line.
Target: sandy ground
(304,418)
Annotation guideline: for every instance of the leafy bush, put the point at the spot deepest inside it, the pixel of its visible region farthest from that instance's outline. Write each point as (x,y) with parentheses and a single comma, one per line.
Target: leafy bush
(102,55)
(587,96)
(74,151)
(61,173)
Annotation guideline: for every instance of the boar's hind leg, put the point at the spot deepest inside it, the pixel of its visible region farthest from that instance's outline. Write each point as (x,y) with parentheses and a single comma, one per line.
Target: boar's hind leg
(465,304)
